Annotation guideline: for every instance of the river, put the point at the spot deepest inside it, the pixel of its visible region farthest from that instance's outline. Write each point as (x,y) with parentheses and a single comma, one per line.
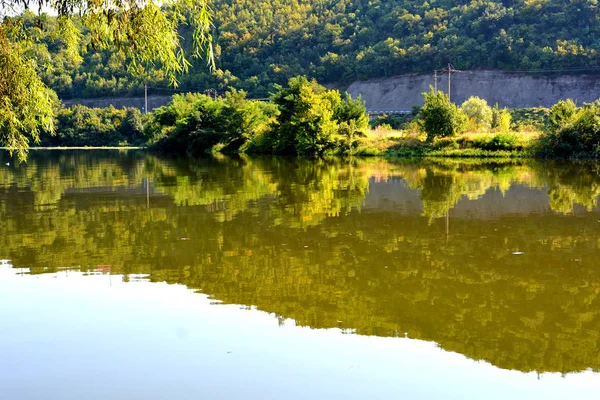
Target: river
(124,275)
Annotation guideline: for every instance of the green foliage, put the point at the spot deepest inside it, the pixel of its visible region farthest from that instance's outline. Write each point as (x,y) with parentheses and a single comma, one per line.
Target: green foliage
(352,111)
(305,124)
(143,32)
(83,126)
(26,104)
(579,135)
(190,123)
(477,109)
(500,119)
(440,117)
(533,118)
(562,112)
(394,121)
(244,120)
(501,141)
(303,118)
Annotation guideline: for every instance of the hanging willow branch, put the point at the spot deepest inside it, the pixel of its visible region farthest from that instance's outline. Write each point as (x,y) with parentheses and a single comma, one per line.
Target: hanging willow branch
(144,30)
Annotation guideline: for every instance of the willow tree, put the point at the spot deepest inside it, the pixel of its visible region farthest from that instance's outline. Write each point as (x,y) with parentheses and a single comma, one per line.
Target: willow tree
(144,30)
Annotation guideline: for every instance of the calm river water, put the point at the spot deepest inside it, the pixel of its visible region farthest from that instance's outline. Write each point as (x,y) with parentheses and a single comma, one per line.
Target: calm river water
(128,276)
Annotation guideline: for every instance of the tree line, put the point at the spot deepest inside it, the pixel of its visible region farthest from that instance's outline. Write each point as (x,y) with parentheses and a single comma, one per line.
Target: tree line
(305,118)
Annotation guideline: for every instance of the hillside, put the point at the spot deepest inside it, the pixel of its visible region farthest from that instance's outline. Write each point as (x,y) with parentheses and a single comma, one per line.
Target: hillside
(259,43)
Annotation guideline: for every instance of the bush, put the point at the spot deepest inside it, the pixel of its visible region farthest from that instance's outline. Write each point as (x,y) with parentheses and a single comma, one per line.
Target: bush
(579,135)
(303,118)
(500,119)
(305,124)
(84,126)
(189,123)
(440,117)
(561,113)
(243,119)
(313,120)
(534,118)
(477,109)
(501,141)
(395,121)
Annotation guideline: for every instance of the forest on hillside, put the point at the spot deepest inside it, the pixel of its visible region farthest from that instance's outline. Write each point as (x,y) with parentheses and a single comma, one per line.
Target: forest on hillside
(261,43)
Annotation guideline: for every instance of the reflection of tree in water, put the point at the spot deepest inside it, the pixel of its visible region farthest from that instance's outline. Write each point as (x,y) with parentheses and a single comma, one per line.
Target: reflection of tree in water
(573,183)
(439,193)
(286,236)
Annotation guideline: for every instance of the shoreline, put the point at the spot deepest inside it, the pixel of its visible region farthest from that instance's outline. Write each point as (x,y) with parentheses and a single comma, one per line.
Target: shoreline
(415,153)
(84,148)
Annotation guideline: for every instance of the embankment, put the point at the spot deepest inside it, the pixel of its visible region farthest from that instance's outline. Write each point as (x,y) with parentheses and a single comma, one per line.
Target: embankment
(401,93)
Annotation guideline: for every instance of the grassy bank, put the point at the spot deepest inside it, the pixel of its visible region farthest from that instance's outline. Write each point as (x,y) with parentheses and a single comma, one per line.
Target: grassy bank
(470,144)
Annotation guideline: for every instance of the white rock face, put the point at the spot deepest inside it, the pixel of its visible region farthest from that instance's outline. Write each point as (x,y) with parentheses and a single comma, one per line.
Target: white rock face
(401,93)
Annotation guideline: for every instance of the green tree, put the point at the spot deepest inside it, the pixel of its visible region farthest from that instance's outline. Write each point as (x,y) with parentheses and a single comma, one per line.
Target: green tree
(440,117)
(562,112)
(353,121)
(477,109)
(500,119)
(243,119)
(305,124)
(142,30)
(26,104)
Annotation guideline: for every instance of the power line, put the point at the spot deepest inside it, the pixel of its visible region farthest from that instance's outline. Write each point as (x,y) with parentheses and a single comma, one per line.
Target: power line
(449,70)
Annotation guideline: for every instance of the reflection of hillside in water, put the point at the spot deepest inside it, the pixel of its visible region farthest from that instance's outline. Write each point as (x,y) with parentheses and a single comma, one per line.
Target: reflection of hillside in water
(355,245)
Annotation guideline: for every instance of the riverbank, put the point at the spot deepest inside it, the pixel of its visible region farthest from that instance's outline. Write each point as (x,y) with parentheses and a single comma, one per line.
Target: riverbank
(369,147)
(307,119)
(473,144)
(84,148)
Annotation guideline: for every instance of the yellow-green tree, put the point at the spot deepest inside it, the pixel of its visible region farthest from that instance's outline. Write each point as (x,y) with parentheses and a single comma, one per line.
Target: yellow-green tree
(144,30)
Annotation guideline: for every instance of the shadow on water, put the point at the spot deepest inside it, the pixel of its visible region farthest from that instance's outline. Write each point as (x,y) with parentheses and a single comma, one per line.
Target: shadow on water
(494,260)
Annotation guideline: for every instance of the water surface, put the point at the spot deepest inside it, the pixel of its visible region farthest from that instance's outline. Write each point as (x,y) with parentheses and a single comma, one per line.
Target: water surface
(125,275)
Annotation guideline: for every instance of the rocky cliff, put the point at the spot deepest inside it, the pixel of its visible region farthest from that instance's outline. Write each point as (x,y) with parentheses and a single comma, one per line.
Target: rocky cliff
(401,93)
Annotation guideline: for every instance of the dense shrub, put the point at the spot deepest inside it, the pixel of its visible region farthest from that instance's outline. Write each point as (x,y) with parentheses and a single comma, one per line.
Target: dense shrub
(303,118)
(395,121)
(305,124)
(578,136)
(84,126)
(195,123)
(500,119)
(313,120)
(440,117)
(190,123)
(244,120)
(532,118)
(501,141)
(562,112)
(478,111)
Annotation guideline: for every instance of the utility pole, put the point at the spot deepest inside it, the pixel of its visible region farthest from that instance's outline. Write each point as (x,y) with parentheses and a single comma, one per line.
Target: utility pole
(435,80)
(145,98)
(449,69)
(449,72)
